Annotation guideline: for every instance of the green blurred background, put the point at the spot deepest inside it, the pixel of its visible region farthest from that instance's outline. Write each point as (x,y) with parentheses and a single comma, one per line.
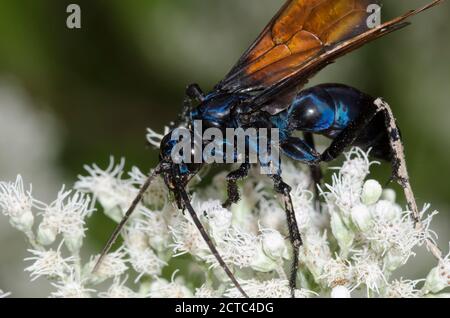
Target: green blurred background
(71,97)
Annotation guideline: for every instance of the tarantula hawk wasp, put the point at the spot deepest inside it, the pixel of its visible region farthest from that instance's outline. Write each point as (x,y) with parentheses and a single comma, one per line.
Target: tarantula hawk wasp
(264,89)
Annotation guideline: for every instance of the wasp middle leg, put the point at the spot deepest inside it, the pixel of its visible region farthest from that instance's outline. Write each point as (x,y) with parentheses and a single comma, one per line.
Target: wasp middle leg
(233,195)
(294,234)
(315,170)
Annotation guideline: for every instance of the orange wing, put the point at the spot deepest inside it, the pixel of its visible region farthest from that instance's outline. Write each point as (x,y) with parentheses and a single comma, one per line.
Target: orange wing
(300,31)
(300,74)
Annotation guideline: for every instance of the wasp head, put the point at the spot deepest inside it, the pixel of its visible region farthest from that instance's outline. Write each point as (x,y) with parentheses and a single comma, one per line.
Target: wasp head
(177,161)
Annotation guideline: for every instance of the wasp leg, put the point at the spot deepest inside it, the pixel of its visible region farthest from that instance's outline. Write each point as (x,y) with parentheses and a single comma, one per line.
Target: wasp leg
(400,171)
(232,188)
(297,149)
(348,136)
(294,233)
(193,93)
(184,196)
(397,156)
(316,171)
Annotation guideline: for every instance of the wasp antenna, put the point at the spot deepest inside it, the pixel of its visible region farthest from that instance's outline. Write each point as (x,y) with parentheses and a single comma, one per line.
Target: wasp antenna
(127,215)
(424,8)
(432,4)
(208,240)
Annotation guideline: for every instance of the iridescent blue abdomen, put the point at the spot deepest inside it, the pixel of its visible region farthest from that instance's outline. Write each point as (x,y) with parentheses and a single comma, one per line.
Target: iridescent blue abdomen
(325,109)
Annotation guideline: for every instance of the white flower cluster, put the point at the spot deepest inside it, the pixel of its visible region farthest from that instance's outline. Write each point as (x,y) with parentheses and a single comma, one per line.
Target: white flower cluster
(351,246)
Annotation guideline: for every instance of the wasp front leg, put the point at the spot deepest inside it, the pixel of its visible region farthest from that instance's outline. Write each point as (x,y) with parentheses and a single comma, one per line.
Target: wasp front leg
(193,93)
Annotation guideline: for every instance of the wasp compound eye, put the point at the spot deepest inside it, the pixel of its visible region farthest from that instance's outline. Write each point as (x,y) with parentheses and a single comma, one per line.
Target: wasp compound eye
(167,146)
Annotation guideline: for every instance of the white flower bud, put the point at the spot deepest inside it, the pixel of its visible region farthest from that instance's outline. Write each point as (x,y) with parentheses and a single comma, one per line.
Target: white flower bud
(46,234)
(389,195)
(438,278)
(48,263)
(262,262)
(361,217)
(136,240)
(342,234)
(71,288)
(23,221)
(219,219)
(112,265)
(240,214)
(142,258)
(73,242)
(340,292)
(371,192)
(393,260)
(17,203)
(145,288)
(387,211)
(274,245)
(315,252)
(115,213)
(158,242)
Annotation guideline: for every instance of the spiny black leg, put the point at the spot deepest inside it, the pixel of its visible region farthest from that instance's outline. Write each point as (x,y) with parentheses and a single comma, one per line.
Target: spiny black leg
(316,171)
(400,171)
(294,234)
(232,188)
(348,136)
(208,240)
(193,93)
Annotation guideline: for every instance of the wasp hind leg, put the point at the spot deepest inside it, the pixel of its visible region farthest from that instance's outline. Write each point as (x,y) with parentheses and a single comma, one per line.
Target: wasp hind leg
(400,171)
(375,129)
(349,135)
